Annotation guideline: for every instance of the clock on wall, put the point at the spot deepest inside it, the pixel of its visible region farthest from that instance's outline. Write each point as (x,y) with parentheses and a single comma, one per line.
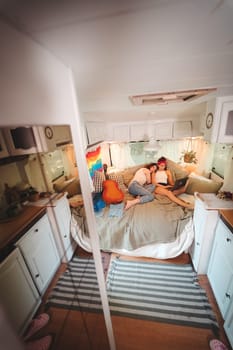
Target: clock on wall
(48,132)
(209,120)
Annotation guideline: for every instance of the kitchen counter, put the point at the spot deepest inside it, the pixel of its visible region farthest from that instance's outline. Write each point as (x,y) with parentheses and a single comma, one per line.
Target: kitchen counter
(12,229)
(227,217)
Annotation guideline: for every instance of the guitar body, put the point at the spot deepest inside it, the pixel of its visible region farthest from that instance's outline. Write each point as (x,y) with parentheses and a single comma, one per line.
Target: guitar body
(111,193)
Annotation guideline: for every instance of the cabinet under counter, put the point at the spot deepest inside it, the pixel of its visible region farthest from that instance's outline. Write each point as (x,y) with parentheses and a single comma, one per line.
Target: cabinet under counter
(11,230)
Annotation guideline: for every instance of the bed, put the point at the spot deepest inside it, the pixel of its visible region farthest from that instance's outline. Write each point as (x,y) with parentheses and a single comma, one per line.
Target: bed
(158,229)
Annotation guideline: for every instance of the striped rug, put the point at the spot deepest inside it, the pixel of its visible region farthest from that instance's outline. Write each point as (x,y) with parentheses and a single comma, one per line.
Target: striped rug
(146,290)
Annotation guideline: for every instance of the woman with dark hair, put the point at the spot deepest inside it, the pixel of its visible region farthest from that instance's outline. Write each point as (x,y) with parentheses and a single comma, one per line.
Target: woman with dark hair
(164,183)
(141,186)
(163,178)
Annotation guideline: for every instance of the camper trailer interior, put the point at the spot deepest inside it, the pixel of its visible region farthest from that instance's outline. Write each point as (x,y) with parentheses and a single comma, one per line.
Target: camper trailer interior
(91,93)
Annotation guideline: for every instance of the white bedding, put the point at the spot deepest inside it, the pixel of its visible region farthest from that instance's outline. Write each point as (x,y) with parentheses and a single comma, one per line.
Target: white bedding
(155,250)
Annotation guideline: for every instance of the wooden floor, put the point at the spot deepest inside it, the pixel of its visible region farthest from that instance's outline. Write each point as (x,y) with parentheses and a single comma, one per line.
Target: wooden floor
(74,330)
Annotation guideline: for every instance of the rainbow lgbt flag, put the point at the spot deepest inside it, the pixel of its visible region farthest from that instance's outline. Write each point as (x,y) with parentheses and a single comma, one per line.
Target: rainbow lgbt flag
(94,161)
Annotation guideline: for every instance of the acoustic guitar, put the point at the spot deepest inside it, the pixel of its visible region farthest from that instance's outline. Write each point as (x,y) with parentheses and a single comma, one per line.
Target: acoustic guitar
(111,192)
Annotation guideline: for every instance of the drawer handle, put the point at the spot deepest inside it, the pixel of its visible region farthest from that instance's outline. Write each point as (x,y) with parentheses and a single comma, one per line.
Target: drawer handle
(37,275)
(228,240)
(228,296)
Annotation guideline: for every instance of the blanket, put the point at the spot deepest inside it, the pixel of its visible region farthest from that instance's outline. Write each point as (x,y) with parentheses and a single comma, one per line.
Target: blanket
(159,221)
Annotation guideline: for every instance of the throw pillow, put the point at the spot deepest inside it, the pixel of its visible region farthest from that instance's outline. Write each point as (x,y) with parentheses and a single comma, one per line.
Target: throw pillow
(98,179)
(202,185)
(119,179)
(177,171)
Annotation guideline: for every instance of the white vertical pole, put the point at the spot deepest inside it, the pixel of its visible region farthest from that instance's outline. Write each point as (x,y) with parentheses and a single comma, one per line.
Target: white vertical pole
(91,221)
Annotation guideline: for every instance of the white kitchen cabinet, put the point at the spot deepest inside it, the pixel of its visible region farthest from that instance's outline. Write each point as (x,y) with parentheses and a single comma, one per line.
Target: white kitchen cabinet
(204,229)
(162,131)
(218,120)
(97,131)
(60,219)
(228,324)
(40,253)
(139,132)
(18,293)
(121,132)
(182,129)
(220,270)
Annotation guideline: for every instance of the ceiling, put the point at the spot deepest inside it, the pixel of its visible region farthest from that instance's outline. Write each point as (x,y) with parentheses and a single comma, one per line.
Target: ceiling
(117,49)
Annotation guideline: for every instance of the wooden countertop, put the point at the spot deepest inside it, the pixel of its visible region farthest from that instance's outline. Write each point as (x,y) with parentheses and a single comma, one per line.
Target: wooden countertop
(11,230)
(228,216)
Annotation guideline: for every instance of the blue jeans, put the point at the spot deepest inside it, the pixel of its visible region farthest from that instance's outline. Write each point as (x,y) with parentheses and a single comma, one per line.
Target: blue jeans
(145,192)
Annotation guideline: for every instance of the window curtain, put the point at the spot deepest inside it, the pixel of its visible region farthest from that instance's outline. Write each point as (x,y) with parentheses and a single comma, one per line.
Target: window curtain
(124,155)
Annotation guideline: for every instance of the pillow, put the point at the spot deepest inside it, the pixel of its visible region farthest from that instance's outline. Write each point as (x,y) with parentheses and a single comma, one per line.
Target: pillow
(119,179)
(202,185)
(72,187)
(98,179)
(177,171)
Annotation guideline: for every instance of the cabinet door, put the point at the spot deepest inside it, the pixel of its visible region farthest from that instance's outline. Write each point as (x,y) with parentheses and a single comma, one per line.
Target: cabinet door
(199,218)
(18,293)
(182,129)
(63,219)
(121,132)
(39,250)
(163,131)
(138,132)
(97,132)
(204,228)
(220,270)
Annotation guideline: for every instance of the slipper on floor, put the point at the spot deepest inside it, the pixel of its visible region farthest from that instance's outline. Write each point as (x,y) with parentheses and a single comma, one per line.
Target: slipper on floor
(36,324)
(39,344)
(216,344)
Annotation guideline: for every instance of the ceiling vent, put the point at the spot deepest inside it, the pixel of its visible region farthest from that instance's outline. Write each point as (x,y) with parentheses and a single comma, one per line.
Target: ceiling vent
(169,97)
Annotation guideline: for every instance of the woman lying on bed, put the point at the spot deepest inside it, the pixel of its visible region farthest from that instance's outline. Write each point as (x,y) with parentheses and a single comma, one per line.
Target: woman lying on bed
(143,185)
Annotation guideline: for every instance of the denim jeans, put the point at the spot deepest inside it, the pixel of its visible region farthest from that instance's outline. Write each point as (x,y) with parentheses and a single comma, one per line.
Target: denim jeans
(145,192)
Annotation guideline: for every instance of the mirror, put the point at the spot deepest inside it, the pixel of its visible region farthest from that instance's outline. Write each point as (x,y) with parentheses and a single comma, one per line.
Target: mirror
(29,176)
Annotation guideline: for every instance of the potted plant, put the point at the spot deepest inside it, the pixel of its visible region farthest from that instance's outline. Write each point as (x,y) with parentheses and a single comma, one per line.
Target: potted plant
(189,156)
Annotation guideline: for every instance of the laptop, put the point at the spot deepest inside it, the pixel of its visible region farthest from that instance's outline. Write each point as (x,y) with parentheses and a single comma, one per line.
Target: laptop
(179,183)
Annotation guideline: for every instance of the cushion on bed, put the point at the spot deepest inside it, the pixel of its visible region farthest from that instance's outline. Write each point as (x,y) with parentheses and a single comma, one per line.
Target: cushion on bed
(198,183)
(119,179)
(178,172)
(98,179)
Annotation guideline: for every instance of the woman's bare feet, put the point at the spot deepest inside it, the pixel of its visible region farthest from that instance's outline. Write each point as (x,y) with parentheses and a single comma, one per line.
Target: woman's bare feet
(131,203)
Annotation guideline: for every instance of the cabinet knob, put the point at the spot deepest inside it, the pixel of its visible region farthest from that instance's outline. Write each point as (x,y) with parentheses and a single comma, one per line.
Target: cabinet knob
(65,236)
(198,243)
(36,230)
(227,295)
(37,275)
(228,240)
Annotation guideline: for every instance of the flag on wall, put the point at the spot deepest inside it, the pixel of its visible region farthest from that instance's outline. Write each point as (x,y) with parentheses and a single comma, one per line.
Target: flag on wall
(94,161)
